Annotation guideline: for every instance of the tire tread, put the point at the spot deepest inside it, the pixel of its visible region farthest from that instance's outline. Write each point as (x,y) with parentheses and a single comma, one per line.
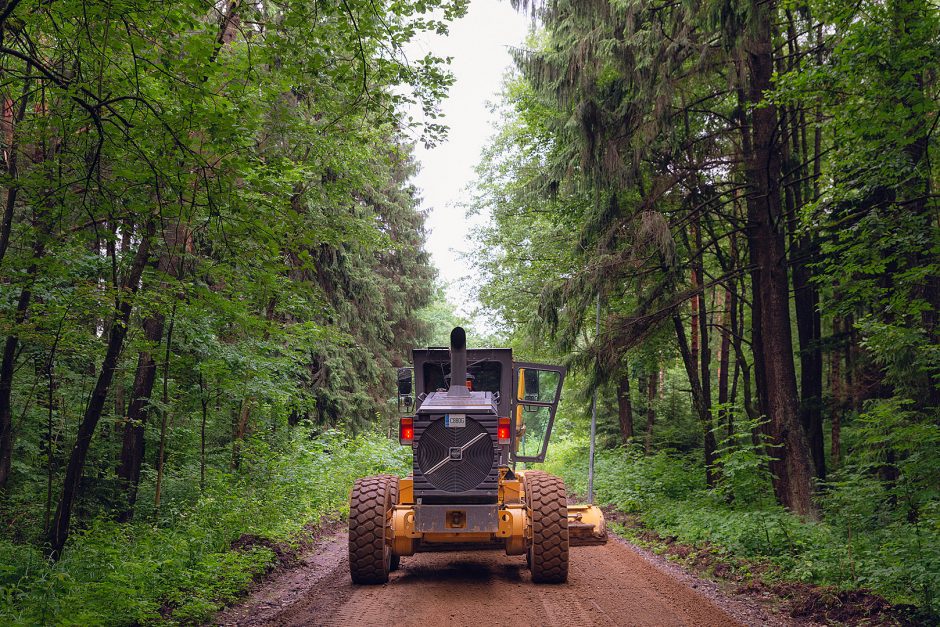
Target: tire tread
(369,503)
(548,555)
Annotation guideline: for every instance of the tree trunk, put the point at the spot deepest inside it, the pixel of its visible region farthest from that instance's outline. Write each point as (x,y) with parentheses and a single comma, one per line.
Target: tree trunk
(59,532)
(705,358)
(161,452)
(837,395)
(724,360)
(204,400)
(791,464)
(164,418)
(50,410)
(737,343)
(625,408)
(132,449)
(808,326)
(836,444)
(694,325)
(724,347)
(704,352)
(641,398)
(8,366)
(650,413)
(50,450)
(176,242)
(241,428)
(805,295)
(11,118)
(852,397)
(698,400)
(120,404)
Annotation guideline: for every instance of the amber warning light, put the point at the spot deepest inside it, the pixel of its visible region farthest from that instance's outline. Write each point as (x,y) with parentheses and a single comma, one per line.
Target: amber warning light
(406,431)
(502,433)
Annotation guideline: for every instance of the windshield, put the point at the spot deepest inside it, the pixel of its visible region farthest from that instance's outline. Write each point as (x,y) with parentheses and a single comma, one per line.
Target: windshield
(486,375)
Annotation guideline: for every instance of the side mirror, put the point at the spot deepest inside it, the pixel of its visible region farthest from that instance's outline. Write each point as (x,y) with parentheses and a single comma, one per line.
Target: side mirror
(538,385)
(530,384)
(404,381)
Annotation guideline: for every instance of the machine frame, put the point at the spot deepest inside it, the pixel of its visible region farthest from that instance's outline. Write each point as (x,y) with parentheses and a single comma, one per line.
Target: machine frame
(522,512)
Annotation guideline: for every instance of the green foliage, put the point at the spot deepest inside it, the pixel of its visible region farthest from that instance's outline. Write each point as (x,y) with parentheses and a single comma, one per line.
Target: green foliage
(182,567)
(629,170)
(229,185)
(863,542)
(892,435)
(440,317)
(266,150)
(742,459)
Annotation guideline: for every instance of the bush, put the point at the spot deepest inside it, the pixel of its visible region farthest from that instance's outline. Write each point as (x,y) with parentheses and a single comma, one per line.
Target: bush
(861,543)
(179,565)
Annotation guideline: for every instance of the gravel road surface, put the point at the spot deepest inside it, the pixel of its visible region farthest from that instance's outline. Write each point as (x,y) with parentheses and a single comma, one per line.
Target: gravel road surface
(616,584)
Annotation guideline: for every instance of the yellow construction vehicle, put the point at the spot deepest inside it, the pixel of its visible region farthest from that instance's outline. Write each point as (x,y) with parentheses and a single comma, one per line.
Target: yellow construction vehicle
(472,416)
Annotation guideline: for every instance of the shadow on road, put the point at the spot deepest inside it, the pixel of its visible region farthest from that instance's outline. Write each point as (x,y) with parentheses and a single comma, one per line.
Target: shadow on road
(460,571)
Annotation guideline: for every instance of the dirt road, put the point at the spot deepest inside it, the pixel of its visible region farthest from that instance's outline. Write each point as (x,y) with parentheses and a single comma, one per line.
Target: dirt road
(608,585)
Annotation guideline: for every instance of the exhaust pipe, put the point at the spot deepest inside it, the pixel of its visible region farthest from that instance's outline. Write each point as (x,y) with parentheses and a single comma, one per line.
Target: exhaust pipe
(458,363)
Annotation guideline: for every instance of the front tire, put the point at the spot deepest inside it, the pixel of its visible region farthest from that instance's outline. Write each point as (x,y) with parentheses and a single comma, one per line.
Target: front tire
(548,502)
(370,506)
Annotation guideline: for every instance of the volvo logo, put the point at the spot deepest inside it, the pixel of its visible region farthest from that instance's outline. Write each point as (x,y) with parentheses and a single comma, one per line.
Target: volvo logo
(456,453)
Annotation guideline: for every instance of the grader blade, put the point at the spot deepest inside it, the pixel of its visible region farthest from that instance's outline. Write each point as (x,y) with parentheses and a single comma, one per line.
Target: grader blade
(586,526)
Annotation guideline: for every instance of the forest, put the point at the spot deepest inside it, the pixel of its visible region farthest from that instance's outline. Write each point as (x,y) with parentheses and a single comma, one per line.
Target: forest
(723,216)
(720,215)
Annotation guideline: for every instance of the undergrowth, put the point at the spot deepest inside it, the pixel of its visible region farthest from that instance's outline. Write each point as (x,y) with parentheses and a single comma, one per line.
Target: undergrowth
(178,565)
(861,542)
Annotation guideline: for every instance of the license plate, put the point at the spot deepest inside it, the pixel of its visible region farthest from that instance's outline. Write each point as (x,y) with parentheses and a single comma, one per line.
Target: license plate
(455,420)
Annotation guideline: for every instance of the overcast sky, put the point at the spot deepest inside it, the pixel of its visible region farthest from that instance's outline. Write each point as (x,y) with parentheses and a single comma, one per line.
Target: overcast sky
(479,44)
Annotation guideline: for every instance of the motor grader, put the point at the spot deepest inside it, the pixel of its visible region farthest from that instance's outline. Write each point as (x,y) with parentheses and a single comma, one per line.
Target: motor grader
(471,416)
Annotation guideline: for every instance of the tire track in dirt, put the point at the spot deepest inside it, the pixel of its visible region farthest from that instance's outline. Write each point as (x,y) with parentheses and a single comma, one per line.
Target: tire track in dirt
(607,585)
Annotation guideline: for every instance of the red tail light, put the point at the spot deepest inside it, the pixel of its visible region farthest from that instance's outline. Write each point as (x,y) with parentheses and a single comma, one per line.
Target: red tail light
(502,432)
(406,431)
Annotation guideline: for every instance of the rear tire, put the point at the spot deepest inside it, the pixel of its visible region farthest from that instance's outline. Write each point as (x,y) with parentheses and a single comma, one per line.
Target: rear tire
(548,555)
(370,506)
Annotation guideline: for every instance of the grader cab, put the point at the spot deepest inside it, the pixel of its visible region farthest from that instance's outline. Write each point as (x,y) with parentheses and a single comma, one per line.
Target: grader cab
(477,414)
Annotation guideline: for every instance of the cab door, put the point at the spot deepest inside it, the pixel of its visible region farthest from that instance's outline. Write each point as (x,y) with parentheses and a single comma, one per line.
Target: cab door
(535,400)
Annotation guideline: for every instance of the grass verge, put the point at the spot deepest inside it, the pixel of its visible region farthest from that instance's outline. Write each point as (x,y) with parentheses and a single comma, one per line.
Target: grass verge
(861,563)
(182,564)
